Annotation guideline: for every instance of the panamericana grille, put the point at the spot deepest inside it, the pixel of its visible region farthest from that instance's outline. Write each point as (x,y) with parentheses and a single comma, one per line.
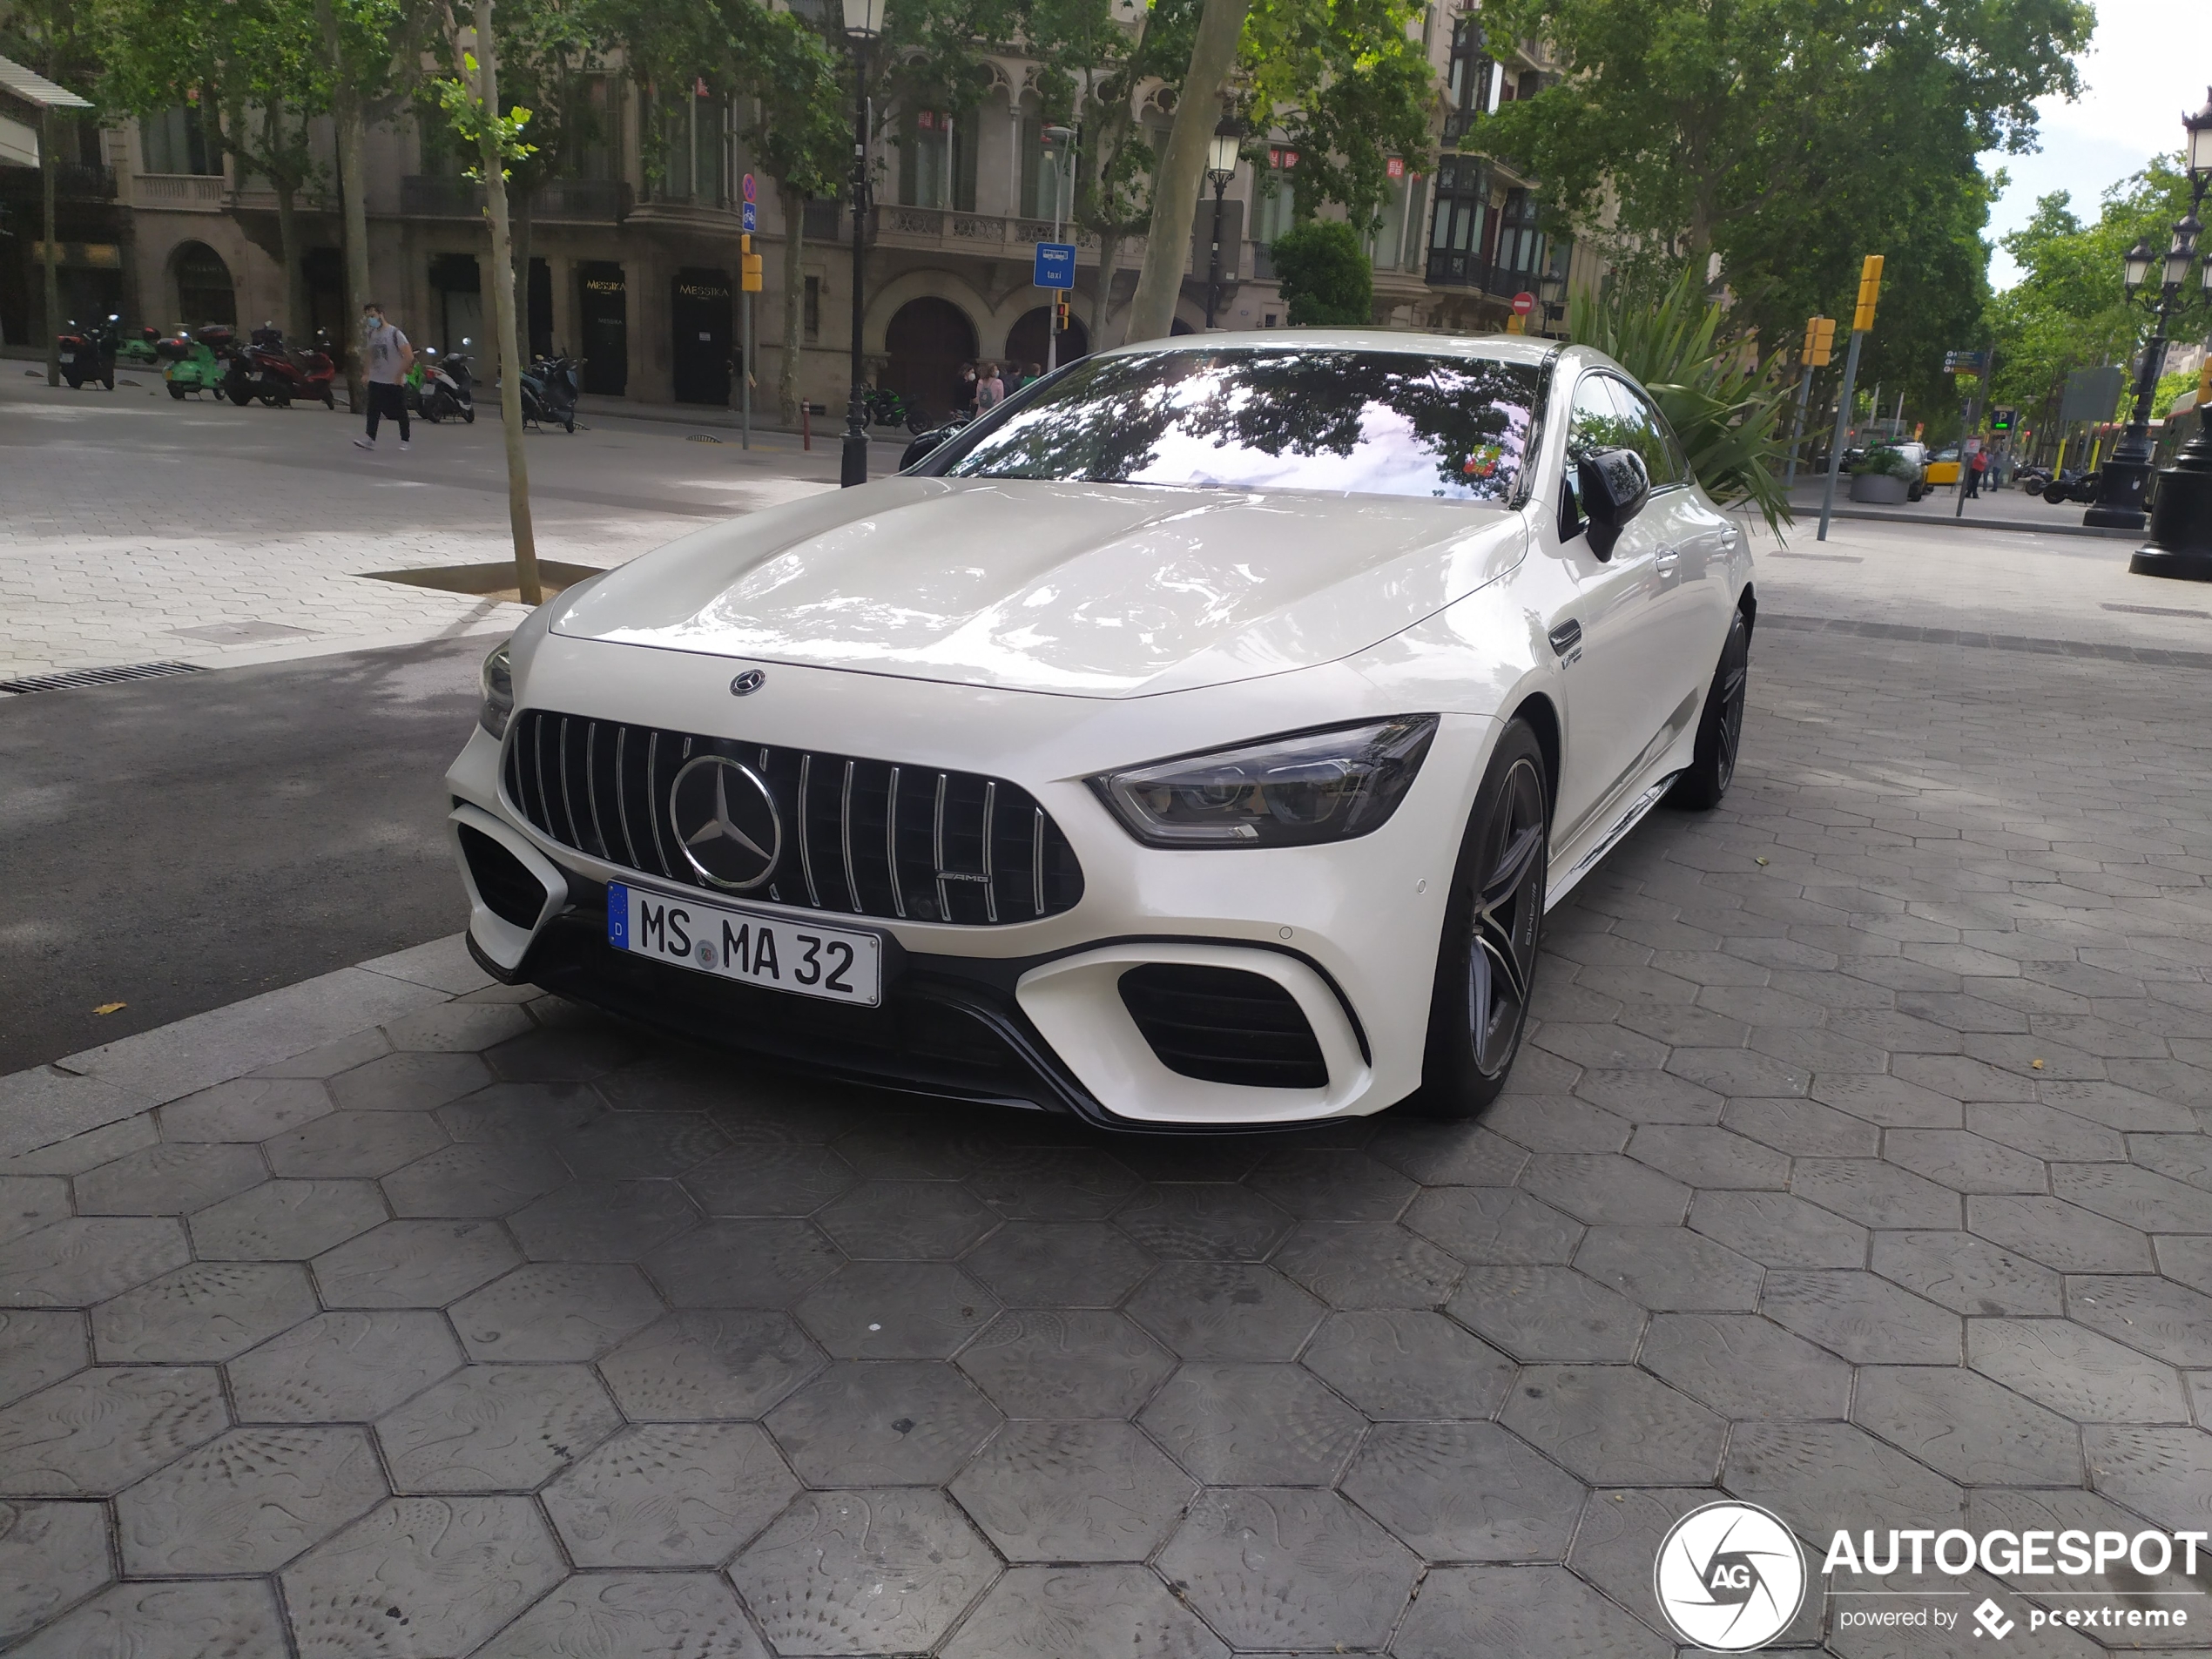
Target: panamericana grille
(871,838)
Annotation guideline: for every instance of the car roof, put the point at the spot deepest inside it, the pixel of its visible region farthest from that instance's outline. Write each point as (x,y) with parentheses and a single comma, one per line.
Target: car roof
(1498,349)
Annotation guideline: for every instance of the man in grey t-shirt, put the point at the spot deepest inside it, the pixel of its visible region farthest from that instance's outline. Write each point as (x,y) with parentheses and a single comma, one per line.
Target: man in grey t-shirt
(385,361)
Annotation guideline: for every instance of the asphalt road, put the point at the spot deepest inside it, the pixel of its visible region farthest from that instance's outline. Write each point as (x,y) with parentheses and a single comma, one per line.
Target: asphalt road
(176,844)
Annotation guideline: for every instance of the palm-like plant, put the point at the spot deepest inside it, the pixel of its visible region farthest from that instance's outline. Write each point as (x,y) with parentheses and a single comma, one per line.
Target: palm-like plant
(1727,408)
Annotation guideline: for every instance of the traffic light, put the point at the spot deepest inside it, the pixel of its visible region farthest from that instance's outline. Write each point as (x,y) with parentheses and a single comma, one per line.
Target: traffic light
(1869,290)
(1061,312)
(1820,335)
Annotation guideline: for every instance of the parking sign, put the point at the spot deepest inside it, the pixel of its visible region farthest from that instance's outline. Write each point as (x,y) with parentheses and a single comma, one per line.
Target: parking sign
(1056,265)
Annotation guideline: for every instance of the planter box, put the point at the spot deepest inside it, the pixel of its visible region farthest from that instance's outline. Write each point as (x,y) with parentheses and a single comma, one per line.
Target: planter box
(1878,487)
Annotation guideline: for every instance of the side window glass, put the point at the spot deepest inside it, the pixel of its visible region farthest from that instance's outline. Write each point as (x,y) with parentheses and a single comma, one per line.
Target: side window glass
(1646,433)
(1595,422)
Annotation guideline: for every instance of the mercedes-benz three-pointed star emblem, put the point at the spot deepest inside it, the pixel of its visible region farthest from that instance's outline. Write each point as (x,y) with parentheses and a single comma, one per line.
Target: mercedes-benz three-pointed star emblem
(727,821)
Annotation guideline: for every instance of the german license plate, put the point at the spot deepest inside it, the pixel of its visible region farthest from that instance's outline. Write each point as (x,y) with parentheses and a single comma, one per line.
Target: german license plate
(775,951)
(68,357)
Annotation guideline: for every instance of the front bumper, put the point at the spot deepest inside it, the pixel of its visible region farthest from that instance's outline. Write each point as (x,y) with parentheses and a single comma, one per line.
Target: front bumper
(1032,1013)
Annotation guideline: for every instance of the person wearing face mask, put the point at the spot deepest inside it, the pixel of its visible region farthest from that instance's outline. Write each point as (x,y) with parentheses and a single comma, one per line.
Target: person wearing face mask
(387,358)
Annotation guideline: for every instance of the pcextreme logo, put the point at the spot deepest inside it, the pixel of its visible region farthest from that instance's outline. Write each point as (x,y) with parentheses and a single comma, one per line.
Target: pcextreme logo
(1729,1577)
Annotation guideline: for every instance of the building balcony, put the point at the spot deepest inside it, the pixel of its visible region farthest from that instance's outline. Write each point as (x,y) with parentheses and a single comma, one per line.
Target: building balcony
(191,192)
(990,236)
(562,201)
(1471,272)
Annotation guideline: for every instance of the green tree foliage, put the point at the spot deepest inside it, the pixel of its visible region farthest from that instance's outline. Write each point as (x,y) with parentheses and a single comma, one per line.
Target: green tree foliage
(1730,413)
(1349,88)
(1325,275)
(56,38)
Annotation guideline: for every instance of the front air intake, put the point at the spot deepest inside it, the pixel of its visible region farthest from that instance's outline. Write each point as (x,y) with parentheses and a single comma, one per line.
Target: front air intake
(503,881)
(1223,1025)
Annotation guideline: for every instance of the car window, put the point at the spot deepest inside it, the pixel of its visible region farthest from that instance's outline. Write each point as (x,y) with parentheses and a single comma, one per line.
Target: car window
(1595,422)
(1647,433)
(1344,422)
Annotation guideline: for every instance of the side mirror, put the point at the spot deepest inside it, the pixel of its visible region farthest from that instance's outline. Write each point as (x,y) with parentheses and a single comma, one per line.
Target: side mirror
(1614,486)
(922,445)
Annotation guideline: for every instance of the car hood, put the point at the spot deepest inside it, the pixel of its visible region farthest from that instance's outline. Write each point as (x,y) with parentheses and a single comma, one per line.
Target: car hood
(1088,590)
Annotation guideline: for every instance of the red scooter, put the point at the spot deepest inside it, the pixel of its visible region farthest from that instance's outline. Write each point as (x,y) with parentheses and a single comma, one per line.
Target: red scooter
(279,374)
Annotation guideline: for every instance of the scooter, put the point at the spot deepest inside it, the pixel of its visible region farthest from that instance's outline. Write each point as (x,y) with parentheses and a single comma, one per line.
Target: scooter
(89,353)
(196,366)
(140,347)
(277,374)
(549,387)
(439,388)
(2072,486)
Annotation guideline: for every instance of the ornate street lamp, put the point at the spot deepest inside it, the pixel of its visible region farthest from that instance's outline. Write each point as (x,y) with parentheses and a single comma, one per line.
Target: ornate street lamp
(2180,538)
(863,22)
(1221,167)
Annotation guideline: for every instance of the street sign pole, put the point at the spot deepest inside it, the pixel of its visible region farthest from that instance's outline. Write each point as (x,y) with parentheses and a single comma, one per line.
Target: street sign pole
(1870,288)
(748,284)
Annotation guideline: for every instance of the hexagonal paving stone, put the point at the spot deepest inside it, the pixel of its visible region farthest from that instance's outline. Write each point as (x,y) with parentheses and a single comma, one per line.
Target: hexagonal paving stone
(2060,1235)
(92,1434)
(1081,1363)
(1399,1363)
(247,1502)
(235,1618)
(619,1146)
(636,1615)
(50,1555)
(895,1310)
(1617,1543)
(1875,1194)
(1076,1264)
(574,1054)
(1252,1425)
(1520,1609)
(604,1221)
(1702,1157)
(708,1364)
(2078,1374)
(897,1422)
(1367,1264)
(85,1260)
(768,1180)
(1492,1225)
(1082,1613)
(1868,1320)
(168,1180)
(1272,1567)
(1746,1367)
(521,1114)
(1615,1425)
(79,1153)
(209,1310)
(448,1573)
(2161,1472)
(355,1144)
(1778,1229)
(1333,1185)
(1464,1492)
(1964,1273)
(863,1571)
(1966,1427)
(1225,1310)
(30,1201)
(1550,1312)
(286,1220)
(409,1082)
(1822,1477)
(670,1494)
(1053,1184)
(496,1428)
(1670,1270)
(37,1346)
(1600,1187)
(245,1108)
(766,1264)
(413,1263)
(1438,1153)
(905,1220)
(2166,1320)
(342,1367)
(473,1181)
(552,1311)
(1074,1492)
(456,1028)
(1204,1221)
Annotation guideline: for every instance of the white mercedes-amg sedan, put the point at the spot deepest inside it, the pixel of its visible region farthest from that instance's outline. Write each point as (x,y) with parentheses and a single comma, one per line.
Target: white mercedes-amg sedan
(1196,741)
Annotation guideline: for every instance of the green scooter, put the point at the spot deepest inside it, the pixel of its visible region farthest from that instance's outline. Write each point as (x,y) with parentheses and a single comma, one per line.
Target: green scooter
(196,365)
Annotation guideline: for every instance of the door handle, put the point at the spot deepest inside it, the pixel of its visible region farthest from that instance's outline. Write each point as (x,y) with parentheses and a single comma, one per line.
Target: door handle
(1668,558)
(1566,637)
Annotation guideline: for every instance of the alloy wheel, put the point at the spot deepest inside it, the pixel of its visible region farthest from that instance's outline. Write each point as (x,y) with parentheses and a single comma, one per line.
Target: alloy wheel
(1507,921)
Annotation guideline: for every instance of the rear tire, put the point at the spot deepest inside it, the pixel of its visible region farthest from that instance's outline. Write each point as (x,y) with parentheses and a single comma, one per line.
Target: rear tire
(1720,727)
(176,391)
(2055,496)
(1494,927)
(240,395)
(468,414)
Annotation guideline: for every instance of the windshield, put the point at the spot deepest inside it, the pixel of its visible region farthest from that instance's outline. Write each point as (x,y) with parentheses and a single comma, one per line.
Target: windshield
(1341,423)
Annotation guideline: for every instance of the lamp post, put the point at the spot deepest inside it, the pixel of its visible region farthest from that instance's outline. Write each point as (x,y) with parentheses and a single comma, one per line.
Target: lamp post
(1059,150)
(1551,289)
(2125,479)
(1221,167)
(863,22)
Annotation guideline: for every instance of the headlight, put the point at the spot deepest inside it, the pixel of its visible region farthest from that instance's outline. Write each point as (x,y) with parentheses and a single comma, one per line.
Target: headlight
(1291,791)
(498,682)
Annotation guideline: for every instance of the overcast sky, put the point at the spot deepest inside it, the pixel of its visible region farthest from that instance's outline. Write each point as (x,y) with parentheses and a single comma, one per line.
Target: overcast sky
(2148,65)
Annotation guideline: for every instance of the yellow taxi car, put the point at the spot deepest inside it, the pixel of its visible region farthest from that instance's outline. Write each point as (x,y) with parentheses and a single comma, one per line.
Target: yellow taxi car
(1943,468)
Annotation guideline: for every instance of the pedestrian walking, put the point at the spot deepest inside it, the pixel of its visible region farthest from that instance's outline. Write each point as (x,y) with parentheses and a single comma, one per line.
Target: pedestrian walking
(385,361)
(964,395)
(1976,464)
(990,390)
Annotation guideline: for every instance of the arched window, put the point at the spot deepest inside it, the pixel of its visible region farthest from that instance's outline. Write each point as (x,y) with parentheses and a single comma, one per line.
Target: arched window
(204,290)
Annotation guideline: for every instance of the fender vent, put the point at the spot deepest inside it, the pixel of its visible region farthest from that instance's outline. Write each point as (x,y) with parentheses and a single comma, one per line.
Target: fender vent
(1223,1025)
(503,881)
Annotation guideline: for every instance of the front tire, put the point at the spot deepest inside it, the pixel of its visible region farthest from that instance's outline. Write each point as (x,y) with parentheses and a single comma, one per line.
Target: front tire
(1720,728)
(176,391)
(1494,927)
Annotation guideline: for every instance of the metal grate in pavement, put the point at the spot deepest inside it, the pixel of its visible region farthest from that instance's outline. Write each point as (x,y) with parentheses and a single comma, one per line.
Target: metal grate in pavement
(97,677)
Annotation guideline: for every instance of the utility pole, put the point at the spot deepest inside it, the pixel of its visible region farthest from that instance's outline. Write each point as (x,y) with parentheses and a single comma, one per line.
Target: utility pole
(1869,290)
(1820,334)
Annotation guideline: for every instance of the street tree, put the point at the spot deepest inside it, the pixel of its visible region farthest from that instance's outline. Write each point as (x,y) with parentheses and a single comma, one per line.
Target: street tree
(1324,275)
(365,51)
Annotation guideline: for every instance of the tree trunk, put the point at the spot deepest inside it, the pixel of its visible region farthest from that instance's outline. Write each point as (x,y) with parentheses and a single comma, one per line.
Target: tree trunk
(345,107)
(1174,187)
(522,271)
(510,358)
(297,320)
(1109,254)
(794,205)
(52,251)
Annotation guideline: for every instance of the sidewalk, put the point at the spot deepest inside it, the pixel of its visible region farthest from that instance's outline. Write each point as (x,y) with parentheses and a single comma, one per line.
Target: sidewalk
(2011,508)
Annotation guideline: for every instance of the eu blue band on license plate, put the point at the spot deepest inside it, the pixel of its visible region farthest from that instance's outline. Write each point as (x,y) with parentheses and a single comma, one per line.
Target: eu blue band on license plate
(619,915)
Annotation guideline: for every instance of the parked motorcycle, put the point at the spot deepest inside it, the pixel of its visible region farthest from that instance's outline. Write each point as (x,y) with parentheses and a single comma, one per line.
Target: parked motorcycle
(549,387)
(140,348)
(196,365)
(439,388)
(892,408)
(2033,479)
(278,374)
(89,353)
(2072,486)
